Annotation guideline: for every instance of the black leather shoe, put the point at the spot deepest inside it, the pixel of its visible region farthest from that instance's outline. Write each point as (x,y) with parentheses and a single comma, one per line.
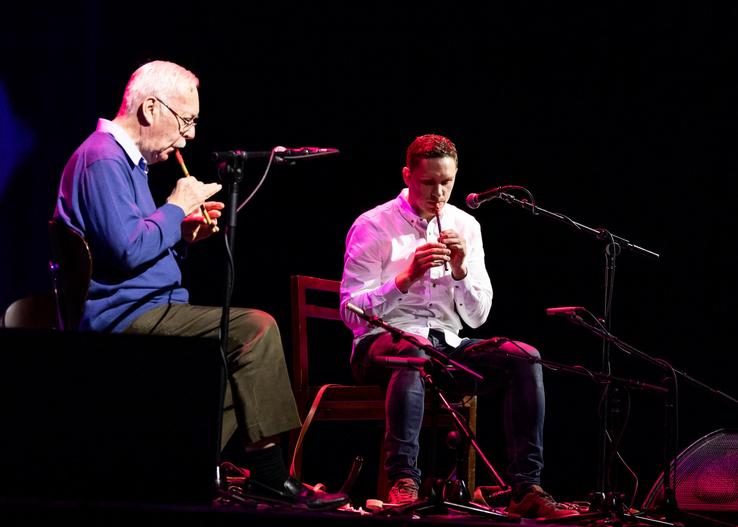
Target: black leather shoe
(314,499)
(296,492)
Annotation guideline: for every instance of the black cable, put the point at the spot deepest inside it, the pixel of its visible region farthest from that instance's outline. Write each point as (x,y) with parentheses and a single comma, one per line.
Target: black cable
(675,431)
(229,287)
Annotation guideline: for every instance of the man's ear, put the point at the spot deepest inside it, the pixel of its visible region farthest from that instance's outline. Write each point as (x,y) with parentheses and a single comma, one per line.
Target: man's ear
(146,111)
(406,175)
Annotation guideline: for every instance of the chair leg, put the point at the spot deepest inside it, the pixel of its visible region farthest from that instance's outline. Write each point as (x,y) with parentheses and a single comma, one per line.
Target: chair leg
(471,455)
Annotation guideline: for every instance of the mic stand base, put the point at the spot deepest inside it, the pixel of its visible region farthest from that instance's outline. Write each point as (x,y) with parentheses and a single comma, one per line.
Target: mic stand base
(610,507)
(438,505)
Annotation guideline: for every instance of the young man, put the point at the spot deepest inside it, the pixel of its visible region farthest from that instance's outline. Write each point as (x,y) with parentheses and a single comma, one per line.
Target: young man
(417,262)
(137,284)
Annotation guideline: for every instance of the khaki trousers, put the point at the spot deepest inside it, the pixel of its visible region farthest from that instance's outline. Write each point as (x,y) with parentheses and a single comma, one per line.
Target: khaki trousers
(264,404)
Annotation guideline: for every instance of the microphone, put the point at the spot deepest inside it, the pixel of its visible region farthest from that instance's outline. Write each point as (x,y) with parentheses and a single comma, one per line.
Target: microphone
(281,153)
(473,200)
(239,154)
(568,311)
(400,362)
(356,309)
(304,151)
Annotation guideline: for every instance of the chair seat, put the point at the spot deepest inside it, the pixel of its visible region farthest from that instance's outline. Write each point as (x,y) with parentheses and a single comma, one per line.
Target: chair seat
(32,312)
(351,403)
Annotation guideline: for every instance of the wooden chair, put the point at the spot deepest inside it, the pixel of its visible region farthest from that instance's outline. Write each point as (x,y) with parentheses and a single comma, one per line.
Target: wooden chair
(317,298)
(71,270)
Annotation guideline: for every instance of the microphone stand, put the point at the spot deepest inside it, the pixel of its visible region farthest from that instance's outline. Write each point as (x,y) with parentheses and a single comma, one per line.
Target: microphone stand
(670,507)
(440,359)
(614,508)
(603,495)
(230,173)
(231,169)
(600,233)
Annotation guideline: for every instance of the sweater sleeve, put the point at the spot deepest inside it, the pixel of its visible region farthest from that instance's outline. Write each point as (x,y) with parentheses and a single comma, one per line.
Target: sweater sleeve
(114,221)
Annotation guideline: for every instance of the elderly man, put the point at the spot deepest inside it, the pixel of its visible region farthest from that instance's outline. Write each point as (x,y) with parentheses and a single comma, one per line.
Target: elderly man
(137,284)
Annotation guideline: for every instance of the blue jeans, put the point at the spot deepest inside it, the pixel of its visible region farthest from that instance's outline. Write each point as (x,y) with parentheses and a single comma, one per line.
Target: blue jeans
(521,380)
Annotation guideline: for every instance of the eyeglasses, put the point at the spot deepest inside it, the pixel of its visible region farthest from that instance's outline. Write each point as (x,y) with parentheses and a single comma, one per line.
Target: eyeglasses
(183,123)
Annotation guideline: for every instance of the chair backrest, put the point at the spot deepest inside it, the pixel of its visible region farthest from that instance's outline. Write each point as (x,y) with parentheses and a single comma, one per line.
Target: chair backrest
(31,312)
(71,268)
(303,309)
(316,319)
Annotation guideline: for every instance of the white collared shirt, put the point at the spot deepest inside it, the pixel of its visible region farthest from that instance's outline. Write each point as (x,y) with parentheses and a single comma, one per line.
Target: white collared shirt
(124,140)
(381,244)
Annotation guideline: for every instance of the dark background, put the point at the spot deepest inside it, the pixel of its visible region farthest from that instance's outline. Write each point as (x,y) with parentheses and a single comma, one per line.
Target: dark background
(619,116)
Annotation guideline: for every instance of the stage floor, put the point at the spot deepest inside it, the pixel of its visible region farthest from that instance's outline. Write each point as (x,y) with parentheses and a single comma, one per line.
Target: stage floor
(36,513)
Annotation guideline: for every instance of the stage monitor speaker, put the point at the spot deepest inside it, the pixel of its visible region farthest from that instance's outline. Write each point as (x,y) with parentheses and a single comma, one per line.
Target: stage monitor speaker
(108,418)
(706,476)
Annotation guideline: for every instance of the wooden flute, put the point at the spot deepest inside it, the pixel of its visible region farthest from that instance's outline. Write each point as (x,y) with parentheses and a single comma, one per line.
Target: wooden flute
(203,210)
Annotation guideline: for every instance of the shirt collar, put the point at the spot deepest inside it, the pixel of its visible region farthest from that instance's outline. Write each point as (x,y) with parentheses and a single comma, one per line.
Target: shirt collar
(408,212)
(124,140)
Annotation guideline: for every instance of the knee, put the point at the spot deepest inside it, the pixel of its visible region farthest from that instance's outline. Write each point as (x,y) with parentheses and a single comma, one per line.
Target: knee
(252,329)
(520,349)
(263,320)
(523,360)
(253,323)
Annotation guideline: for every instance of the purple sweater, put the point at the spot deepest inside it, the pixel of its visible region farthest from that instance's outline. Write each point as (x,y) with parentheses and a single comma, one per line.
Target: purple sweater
(105,196)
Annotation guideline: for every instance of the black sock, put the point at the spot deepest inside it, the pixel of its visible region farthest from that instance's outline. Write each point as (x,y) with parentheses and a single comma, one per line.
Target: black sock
(267,466)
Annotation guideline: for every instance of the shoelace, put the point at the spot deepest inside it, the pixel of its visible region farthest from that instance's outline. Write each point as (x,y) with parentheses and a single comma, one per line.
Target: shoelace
(546,496)
(405,490)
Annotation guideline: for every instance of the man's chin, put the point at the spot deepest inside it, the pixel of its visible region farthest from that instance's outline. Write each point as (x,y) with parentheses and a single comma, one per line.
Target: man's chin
(433,207)
(163,155)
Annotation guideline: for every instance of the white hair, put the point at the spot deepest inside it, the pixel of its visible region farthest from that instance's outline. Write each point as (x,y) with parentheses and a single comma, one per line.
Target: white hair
(157,78)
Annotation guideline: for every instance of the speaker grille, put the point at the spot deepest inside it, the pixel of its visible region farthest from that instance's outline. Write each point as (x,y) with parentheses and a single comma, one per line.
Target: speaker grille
(706,475)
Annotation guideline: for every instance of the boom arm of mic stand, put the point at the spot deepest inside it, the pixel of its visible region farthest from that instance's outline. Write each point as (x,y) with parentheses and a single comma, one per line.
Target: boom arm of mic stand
(578,370)
(597,233)
(627,348)
(435,354)
(669,490)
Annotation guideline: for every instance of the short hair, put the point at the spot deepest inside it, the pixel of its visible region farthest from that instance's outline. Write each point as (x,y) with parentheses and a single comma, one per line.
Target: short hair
(430,146)
(160,78)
